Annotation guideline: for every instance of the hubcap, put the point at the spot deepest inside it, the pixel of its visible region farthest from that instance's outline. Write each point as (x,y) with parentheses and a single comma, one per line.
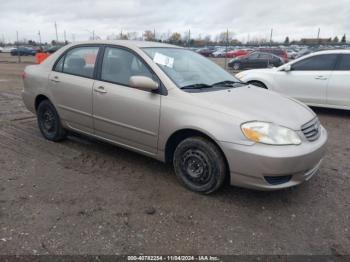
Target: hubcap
(194,164)
(48,120)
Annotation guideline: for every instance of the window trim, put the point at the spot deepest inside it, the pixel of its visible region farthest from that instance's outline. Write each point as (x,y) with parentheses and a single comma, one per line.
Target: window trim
(161,90)
(64,54)
(310,57)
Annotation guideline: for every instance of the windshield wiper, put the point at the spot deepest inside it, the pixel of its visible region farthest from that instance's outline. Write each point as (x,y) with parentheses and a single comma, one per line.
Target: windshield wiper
(228,83)
(196,86)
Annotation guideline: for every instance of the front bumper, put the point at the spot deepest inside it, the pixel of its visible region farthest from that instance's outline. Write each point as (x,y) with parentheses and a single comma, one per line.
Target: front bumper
(251,164)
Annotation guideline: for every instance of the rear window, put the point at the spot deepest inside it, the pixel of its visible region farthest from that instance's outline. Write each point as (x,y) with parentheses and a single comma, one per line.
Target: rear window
(78,61)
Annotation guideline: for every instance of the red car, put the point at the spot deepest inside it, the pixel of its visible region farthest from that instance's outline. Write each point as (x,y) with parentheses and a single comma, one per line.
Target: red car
(236,53)
(276,51)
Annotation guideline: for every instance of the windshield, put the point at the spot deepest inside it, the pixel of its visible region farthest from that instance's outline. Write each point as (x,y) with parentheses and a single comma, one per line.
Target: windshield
(188,69)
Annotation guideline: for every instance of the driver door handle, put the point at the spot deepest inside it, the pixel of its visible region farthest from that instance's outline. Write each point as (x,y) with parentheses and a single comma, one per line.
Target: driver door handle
(100,89)
(321,78)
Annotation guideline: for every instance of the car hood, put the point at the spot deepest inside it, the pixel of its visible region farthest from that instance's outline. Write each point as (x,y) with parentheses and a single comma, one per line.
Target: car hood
(250,103)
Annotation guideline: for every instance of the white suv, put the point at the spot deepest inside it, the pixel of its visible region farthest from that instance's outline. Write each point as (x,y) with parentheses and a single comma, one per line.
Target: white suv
(319,79)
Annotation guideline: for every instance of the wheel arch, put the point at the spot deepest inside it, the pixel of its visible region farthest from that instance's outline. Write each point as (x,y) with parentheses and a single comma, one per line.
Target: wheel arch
(258,81)
(175,139)
(38,99)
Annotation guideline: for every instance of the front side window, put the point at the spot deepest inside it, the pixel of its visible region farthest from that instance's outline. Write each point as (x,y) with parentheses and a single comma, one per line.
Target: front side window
(344,64)
(187,68)
(316,63)
(264,56)
(119,65)
(78,61)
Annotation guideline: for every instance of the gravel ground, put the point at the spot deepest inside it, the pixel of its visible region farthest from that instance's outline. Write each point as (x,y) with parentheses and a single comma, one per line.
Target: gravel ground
(82,196)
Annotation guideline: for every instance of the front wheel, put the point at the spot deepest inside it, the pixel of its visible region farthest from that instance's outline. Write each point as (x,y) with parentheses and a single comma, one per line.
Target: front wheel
(200,165)
(49,122)
(236,66)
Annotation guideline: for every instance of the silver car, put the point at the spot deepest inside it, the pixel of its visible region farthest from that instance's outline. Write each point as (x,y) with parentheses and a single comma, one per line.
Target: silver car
(176,106)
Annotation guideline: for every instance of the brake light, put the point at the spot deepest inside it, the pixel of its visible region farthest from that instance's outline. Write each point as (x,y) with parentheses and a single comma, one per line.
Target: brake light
(24,75)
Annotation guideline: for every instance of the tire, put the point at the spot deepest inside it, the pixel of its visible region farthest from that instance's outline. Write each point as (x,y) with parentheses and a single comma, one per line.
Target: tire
(200,165)
(258,84)
(236,66)
(49,122)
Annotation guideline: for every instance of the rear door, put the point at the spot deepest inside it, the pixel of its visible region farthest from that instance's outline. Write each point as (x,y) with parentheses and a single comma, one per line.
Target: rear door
(338,90)
(308,79)
(71,83)
(125,115)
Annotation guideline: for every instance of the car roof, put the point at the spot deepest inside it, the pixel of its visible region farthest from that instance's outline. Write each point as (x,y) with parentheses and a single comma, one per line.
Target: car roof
(127,43)
(334,51)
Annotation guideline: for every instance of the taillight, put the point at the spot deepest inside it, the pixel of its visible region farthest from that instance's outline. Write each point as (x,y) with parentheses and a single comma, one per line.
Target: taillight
(24,75)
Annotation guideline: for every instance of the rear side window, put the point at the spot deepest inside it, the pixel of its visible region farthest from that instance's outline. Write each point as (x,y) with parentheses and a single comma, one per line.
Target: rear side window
(344,64)
(78,61)
(316,63)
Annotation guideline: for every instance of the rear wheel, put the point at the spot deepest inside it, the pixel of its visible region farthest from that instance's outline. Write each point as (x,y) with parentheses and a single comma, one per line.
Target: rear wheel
(200,165)
(49,122)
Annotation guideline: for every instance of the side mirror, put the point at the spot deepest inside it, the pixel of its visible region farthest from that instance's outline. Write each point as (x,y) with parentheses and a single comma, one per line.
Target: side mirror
(286,68)
(143,82)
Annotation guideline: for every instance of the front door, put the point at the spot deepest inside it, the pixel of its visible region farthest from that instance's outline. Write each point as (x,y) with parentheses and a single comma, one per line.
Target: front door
(123,114)
(338,90)
(308,79)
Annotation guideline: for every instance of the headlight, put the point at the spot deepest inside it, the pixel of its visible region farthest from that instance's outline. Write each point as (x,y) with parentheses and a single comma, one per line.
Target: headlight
(239,76)
(269,133)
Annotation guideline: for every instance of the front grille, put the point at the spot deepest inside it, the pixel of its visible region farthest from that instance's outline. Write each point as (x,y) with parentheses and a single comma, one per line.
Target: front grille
(311,129)
(277,180)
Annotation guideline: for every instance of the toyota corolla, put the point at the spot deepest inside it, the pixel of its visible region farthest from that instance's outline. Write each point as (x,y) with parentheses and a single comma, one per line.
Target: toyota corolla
(176,106)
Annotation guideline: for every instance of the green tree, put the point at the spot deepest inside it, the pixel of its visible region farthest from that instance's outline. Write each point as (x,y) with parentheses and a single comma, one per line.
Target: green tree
(343,39)
(336,40)
(286,41)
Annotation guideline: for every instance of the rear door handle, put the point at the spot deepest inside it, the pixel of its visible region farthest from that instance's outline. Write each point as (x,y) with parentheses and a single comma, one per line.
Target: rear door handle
(100,89)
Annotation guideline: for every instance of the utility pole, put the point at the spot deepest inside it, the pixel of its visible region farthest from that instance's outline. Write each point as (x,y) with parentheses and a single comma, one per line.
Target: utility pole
(39,37)
(17,44)
(226,48)
(318,33)
(56,32)
(65,37)
(271,36)
(154,34)
(189,37)
(93,34)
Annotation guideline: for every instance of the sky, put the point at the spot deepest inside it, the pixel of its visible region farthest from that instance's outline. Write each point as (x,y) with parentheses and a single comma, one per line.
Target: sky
(247,19)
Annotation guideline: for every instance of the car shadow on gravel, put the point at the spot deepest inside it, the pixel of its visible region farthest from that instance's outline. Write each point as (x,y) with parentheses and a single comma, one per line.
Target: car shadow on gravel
(331,112)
